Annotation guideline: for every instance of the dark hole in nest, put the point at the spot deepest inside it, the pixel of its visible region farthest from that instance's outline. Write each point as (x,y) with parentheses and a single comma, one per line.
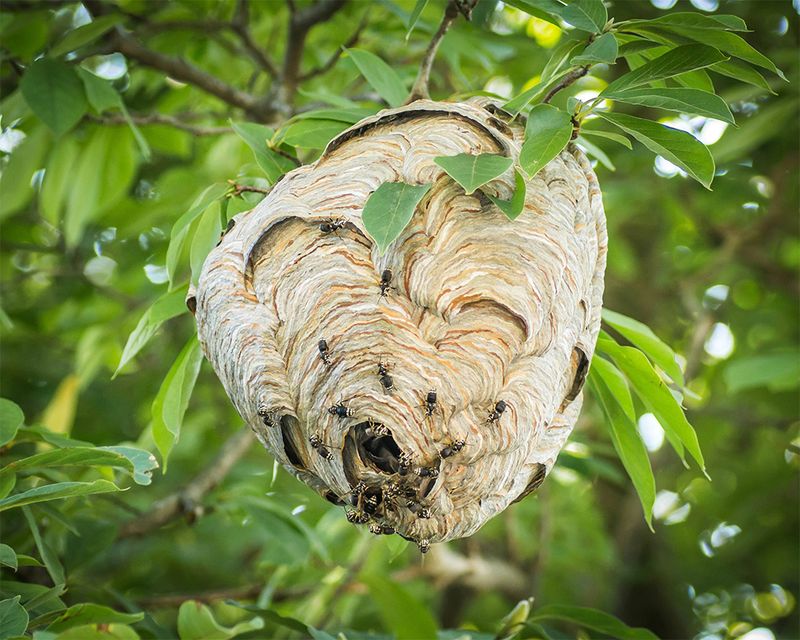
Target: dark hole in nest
(426,486)
(581,364)
(537,478)
(288,429)
(377,451)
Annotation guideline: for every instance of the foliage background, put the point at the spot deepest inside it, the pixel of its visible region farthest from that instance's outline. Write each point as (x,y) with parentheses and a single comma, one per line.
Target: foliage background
(714,273)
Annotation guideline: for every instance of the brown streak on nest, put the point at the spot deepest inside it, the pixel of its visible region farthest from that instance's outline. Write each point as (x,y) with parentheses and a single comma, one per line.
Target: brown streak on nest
(482,309)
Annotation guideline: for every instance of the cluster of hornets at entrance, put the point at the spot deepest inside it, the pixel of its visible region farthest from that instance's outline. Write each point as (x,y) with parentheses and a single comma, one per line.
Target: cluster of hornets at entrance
(409,481)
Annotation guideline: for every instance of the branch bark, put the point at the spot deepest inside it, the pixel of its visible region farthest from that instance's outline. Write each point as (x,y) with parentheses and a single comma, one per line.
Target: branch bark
(159,118)
(420,88)
(572,77)
(300,23)
(186,500)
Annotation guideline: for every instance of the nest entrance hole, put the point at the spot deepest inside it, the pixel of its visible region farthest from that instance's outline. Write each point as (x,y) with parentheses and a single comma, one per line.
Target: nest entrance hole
(376,447)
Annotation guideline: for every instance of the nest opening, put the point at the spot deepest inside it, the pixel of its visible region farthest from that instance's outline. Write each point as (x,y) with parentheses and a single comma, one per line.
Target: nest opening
(377,450)
(290,426)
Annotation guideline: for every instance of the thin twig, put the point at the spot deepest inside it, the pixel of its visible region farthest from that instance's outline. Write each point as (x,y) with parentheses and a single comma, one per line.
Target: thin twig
(331,62)
(420,88)
(300,23)
(567,80)
(247,592)
(159,118)
(186,500)
(239,189)
(240,25)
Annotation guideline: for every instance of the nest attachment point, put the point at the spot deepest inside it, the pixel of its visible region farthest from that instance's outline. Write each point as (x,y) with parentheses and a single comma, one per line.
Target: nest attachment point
(426,389)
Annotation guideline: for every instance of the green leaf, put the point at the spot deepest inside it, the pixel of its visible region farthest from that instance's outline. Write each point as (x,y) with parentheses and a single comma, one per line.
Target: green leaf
(743,73)
(405,617)
(166,307)
(94,192)
(547,133)
(696,20)
(472,171)
(616,137)
(57,491)
(90,613)
(547,10)
(100,93)
(730,43)
(70,456)
(11,419)
(312,134)
(275,618)
(7,556)
(513,207)
(389,209)
(697,79)
(57,178)
(7,483)
(603,50)
(54,93)
(13,618)
(196,622)
(272,163)
(143,462)
(672,63)
(381,76)
(592,619)
(643,337)
(679,147)
(180,229)
(692,101)
(419,7)
(614,397)
(173,397)
(587,15)
(596,152)
(206,235)
(776,371)
(656,396)
(46,553)
(86,34)
(24,161)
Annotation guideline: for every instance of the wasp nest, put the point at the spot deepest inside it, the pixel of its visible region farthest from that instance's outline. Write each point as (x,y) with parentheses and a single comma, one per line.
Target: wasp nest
(428,388)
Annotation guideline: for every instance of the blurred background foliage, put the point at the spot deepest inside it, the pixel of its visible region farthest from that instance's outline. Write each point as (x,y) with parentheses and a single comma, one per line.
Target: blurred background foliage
(84,245)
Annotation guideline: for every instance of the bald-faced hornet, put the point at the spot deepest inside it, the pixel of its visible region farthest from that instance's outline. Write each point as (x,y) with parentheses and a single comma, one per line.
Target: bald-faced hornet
(495,414)
(428,472)
(452,449)
(404,463)
(267,415)
(341,411)
(324,352)
(331,225)
(424,545)
(383,375)
(357,517)
(316,443)
(376,429)
(430,402)
(381,529)
(386,282)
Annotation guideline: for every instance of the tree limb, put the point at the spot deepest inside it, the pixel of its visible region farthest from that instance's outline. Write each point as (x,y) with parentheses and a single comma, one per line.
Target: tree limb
(567,80)
(185,501)
(240,26)
(159,118)
(454,7)
(300,23)
(331,62)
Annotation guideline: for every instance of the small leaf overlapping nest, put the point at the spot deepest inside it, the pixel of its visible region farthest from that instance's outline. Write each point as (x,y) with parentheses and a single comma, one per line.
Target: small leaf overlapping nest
(427,410)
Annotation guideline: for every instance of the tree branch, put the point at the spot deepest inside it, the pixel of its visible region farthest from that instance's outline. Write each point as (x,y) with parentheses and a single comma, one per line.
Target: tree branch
(567,80)
(240,26)
(158,118)
(331,62)
(454,7)
(300,23)
(187,499)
